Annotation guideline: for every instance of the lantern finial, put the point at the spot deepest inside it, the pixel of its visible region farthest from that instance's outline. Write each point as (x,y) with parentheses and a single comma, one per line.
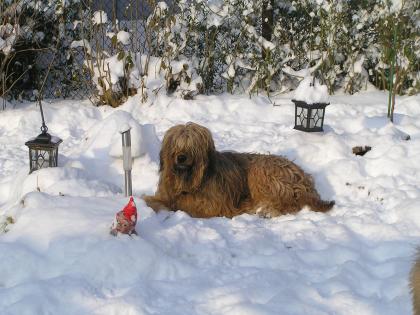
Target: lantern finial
(44,136)
(44,127)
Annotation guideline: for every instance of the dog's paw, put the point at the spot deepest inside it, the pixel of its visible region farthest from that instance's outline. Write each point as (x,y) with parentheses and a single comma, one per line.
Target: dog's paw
(263,213)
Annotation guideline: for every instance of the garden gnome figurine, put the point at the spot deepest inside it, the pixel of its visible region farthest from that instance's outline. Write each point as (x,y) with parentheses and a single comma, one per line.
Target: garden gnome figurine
(125,220)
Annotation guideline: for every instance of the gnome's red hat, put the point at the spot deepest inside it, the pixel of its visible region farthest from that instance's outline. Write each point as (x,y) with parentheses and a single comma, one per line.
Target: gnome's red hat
(130,210)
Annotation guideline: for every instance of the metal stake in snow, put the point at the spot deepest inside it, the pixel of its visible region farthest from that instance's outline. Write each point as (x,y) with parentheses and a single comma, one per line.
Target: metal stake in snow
(127,161)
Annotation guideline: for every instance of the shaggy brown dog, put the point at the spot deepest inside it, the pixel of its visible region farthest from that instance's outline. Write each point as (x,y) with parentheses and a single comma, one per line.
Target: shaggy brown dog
(415,284)
(203,182)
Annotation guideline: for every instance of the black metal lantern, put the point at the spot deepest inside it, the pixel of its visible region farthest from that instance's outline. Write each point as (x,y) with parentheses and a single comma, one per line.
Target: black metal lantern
(43,149)
(309,117)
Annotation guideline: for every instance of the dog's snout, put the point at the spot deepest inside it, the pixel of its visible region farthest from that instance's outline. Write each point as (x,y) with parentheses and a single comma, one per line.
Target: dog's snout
(181,158)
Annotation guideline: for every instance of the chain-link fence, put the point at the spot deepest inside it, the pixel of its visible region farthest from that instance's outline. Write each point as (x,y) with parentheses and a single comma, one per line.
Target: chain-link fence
(54,49)
(38,54)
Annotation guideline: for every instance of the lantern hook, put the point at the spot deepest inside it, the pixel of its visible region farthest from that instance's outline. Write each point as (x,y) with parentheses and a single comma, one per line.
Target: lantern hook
(44,127)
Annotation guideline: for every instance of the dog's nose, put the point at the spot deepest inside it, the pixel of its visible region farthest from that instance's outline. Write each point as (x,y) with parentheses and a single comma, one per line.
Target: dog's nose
(181,158)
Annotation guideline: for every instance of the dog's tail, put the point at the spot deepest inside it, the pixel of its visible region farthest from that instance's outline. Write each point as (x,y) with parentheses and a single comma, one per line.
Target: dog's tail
(317,204)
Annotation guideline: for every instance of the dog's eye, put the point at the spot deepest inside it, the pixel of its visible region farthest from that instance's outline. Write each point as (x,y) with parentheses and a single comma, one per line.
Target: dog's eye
(181,158)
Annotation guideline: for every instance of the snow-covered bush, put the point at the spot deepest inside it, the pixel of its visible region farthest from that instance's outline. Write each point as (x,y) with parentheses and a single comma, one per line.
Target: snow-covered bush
(118,72)
(399,45)
(106,59)
(167,35)
(353,40)
(221,39)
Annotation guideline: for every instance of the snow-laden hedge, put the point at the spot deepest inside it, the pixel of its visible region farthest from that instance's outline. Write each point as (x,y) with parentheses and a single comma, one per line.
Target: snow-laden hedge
(270,45)
(266,45)
(194,46)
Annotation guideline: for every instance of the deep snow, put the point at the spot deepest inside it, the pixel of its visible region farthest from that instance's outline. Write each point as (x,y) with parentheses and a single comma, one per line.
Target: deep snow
(58,256)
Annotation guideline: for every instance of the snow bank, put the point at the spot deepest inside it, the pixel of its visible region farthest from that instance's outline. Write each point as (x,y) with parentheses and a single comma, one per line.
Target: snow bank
(66,181)
(106,137)
(58,257)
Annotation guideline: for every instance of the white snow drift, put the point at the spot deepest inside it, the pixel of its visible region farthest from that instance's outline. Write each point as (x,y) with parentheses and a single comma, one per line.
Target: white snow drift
(58,256)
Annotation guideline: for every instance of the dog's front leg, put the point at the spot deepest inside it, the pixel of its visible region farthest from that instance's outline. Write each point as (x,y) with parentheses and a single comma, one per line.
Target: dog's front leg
(156,203)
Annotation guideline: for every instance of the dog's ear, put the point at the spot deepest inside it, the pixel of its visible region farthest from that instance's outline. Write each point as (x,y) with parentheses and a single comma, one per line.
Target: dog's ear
(204,156)
(160,161)
(211,156)
(198,172)
(166,147)
(203,166)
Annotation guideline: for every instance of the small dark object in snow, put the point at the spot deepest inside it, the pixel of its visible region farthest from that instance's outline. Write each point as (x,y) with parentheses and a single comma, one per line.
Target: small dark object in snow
(401,134)
(173,85)
(361,150)
(125,220)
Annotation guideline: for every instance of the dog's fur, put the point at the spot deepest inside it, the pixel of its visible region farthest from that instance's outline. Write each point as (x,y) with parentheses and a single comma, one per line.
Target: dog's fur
(203,182)
(415,284)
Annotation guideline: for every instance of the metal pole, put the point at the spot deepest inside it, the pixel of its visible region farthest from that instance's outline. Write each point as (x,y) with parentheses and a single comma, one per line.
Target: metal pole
(127,162)
(128,184)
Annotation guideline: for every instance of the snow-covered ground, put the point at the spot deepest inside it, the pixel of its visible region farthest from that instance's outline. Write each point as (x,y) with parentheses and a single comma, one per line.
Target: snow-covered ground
(59,258)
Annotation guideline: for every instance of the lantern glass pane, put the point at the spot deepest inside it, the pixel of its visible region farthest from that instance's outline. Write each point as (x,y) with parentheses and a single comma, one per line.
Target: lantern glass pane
(303,116)
(300,110)
(299,116)
(311,123)
(33,154)
(320,113)
(55,160)
(43,159)
(53,157)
